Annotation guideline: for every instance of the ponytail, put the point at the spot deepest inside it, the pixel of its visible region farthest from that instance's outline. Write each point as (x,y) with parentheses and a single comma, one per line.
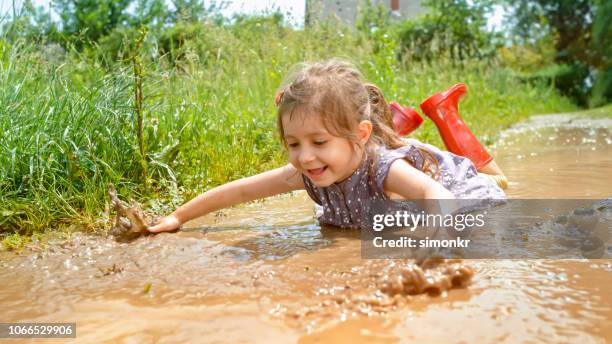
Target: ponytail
(382,120)
(383,133)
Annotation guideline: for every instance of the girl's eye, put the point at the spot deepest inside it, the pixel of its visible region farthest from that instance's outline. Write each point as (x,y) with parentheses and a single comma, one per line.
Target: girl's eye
(292,145)
(319,143)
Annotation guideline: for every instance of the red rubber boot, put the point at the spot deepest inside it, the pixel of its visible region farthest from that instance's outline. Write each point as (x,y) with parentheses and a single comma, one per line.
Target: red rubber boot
(442,109)
(405,120)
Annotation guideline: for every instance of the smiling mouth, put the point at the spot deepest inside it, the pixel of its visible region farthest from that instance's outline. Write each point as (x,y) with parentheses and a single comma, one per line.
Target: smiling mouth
(315,172)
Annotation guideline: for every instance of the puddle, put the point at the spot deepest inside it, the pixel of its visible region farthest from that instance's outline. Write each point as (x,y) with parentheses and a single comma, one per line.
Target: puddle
(570,160)
(265,272)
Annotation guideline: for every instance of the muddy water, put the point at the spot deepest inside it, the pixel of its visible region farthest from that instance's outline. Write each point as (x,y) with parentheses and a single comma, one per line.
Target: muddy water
(266,273)
(571,159)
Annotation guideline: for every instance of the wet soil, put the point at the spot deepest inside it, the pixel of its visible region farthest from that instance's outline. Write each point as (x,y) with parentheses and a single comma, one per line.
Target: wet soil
(265,272)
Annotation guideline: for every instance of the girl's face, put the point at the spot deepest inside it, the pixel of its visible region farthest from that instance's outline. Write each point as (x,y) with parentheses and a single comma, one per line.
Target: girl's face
(324,158)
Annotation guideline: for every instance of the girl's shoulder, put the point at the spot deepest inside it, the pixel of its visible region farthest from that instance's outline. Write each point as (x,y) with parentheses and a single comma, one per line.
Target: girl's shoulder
(412,152)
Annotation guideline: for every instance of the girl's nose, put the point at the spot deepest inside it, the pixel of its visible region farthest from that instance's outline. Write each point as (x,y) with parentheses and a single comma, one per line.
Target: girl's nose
(306,156)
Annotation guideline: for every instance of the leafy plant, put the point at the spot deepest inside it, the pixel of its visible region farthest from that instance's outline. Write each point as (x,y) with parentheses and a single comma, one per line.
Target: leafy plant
(453,28)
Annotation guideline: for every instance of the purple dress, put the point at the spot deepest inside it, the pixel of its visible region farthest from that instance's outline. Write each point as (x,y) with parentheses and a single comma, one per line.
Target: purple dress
(344,202)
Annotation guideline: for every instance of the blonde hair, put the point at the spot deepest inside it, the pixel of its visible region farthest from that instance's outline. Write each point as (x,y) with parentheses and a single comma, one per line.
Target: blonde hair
(337,91)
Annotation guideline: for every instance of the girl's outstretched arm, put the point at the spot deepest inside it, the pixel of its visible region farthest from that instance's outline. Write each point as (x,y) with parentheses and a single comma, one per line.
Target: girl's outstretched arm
(270,183)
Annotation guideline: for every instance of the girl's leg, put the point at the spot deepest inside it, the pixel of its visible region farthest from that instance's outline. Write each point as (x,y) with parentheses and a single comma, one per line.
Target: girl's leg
(498,179)
(491,168)
(442,109)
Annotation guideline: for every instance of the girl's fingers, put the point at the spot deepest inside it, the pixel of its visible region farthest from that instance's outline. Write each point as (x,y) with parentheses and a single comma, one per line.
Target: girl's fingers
(161,227)
(156,229)
(165,224)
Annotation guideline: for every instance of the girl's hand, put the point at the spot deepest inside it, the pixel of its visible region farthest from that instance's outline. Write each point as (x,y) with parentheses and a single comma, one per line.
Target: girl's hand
(166,224)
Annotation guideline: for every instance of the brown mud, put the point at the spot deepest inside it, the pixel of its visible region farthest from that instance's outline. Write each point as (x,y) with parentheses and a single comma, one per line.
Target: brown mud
(129,221)
(265,272)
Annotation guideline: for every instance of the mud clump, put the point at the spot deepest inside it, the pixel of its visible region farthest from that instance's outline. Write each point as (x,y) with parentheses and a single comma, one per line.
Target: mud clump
(129,222)
(379,287)
(433,276)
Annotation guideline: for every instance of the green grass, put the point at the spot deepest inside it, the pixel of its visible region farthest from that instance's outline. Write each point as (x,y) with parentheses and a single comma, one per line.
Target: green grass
(68,125)
(600,112)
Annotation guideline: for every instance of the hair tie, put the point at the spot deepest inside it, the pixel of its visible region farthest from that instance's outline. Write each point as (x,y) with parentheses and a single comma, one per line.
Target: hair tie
(279,97)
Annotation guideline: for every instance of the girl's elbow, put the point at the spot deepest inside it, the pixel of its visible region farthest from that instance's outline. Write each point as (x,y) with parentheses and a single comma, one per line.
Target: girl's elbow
(438,192)
(448,194)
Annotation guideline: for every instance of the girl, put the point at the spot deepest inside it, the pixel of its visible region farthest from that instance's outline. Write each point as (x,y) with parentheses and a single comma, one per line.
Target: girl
(342,149)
